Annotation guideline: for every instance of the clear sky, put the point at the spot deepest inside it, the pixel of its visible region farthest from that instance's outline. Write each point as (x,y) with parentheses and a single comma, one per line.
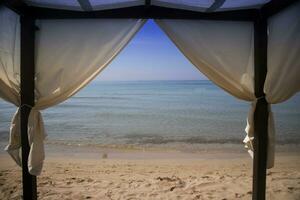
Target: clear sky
(150,55)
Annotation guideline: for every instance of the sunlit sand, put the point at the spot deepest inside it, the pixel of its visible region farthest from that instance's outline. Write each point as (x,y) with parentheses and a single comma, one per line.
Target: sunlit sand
(148,174)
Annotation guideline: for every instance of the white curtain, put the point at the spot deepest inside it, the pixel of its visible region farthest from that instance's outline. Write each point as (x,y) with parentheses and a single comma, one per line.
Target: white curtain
(10,68)
(9,56)
(283,77)
(69,54)
(223,51)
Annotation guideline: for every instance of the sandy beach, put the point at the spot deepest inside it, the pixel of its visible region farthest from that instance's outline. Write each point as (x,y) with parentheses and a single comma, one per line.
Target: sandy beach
(133,174)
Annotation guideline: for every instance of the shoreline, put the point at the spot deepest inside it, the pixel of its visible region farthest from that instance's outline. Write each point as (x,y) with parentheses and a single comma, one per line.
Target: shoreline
(148,152)
(201,151)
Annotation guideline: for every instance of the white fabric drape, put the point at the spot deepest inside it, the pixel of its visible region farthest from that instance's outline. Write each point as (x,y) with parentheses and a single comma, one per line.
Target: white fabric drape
(283,77)
(223,51)
(9,56)
(69,54)
(10,71)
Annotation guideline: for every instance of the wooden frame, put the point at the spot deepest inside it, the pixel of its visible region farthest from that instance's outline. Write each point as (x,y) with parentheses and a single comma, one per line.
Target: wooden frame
(257,16)
(27,100)
(261,111)
(143,12)
(146,11)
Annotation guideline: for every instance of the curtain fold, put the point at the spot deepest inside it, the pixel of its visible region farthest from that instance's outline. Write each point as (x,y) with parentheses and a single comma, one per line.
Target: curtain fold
(283,77)
(9,56)
(69,54)
(10,74)
(211,47)
(223,51)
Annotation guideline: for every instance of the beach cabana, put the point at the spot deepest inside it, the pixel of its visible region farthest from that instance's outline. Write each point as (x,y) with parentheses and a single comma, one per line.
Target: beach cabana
(50,49)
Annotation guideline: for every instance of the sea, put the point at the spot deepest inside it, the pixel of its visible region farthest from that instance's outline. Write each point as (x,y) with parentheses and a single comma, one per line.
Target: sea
(154,113)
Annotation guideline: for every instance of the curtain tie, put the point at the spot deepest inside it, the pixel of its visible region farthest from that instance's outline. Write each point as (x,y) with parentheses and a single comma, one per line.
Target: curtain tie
(26,105)
(36,136)
(259,98)
(250,133)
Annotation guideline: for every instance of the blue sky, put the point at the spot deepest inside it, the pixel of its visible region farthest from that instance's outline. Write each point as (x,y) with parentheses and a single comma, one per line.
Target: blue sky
(150,55)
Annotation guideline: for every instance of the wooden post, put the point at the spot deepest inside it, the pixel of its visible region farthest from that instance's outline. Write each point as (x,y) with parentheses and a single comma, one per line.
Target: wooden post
(27,101)
(261,111)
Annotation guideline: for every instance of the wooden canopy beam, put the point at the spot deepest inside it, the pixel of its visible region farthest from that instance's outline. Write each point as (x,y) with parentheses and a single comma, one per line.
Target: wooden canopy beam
(215,6)
(147,11)
(27,101)
(144,12)
(85,5)
(17,6)
(275,6)
(261,111)
(147,2)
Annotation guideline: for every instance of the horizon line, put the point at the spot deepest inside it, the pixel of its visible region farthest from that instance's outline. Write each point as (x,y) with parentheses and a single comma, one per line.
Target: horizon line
(99,80)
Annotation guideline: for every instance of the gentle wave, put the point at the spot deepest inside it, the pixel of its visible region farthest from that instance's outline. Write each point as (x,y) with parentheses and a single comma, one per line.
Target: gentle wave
(99,97)
(158,140)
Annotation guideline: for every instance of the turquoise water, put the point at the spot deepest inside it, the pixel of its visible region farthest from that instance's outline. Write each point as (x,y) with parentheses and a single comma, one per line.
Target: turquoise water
(155,112)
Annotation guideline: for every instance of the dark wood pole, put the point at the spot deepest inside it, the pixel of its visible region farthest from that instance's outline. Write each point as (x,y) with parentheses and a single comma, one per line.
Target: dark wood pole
(27,101)
(261,111)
